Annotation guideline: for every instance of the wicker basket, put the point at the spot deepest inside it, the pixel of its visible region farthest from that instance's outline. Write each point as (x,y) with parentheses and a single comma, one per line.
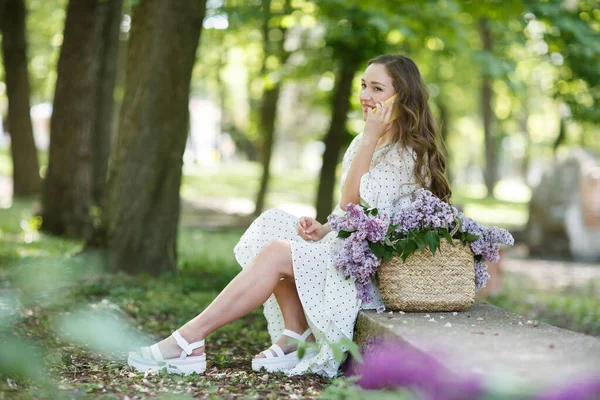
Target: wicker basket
(428,283)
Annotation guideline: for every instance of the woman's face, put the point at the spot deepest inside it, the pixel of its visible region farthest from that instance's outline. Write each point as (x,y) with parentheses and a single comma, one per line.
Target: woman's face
(376,87)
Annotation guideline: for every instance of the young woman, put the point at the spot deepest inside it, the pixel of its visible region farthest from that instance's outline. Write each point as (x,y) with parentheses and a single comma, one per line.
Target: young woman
(286,261)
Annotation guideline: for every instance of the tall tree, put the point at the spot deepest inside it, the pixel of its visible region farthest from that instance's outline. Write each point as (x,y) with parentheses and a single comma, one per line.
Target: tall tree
(26,176)
(334,139)
(68,191)
(273,82)
(490,140)
(145,170)
(110,15)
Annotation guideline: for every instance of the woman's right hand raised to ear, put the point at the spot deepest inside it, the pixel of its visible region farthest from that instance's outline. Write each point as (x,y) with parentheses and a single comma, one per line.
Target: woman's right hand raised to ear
(378,122)
(311,229)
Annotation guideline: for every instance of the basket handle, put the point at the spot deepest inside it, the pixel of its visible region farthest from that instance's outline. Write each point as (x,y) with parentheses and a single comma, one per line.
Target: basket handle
(457,227)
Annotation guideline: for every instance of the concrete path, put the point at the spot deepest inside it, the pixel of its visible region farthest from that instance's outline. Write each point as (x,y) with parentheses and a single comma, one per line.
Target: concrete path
(489,341)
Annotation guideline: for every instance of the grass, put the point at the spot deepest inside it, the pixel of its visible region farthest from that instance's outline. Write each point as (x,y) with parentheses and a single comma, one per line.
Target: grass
(48,280)
(68,309)
(573,308)
(60,306)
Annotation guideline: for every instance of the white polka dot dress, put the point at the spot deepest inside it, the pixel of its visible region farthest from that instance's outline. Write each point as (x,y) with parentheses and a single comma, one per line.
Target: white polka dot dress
(329,300)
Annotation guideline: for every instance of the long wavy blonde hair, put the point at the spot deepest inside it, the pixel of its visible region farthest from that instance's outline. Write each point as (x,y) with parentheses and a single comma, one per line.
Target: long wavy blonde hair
(416,126)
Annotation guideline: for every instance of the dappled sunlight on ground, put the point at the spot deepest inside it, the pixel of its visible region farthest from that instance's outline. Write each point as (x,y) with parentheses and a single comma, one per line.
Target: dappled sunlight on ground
(512,190)
(5,192)
(553,274)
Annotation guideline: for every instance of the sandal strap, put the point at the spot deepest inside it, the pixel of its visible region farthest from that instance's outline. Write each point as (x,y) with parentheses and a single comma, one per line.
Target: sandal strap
(185,346)
(156,353)
(267,353)
(306,334)
(277,350)
(298,337)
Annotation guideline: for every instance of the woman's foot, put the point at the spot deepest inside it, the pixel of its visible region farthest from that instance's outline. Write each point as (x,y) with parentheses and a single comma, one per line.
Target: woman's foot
(283,355)
(170,349)
(175,354)
(287,345)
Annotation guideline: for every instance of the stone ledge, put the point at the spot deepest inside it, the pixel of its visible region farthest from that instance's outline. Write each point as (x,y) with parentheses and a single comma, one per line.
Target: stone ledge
(490,341)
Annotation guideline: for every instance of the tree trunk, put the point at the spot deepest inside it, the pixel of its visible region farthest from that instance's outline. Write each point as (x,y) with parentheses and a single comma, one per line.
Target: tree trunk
(110,14)
(335,137)
(268,108)
(68,188)
(268,112)
(145,170)
(26,175)
(491,154)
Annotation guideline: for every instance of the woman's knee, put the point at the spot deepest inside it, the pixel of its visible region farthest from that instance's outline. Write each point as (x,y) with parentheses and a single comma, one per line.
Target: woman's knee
(279,254)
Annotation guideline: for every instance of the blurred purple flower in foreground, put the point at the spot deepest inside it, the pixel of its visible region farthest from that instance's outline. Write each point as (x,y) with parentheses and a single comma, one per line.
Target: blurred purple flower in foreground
(389,365)
(582,389)
(393,365)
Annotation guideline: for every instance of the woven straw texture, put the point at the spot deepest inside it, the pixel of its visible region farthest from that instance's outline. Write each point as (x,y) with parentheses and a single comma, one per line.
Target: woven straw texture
(428,283)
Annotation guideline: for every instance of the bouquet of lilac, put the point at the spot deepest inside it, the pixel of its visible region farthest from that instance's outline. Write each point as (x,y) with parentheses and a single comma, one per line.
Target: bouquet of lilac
(371,237)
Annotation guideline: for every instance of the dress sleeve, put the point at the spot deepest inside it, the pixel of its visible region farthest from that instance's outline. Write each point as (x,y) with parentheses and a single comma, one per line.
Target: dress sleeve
(390,177)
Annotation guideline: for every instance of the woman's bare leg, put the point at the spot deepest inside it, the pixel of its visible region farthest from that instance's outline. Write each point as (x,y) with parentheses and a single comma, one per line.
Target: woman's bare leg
(247,291)
(292,311)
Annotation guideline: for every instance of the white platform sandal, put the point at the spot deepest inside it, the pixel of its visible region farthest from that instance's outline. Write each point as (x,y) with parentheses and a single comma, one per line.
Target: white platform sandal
(283,362)
(152,358)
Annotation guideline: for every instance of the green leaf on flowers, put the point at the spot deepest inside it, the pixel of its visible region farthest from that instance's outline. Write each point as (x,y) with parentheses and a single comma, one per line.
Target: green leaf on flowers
(471,238)
(420,239)
(374,212)
(388,242)
(387,255)
(447,236)
(377,249)
(409,248)
(344,234)
(433,241)
(399,246)
(364,203)
(391,229)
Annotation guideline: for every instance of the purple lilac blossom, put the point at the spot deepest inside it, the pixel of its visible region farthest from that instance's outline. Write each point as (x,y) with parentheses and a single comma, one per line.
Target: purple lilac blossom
(355,259)
(426,211)
(470,226)
(389,364)
(481,275)
(488,243)
(338,223)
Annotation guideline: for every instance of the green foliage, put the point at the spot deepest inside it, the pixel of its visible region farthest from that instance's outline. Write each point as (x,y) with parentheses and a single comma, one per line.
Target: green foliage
(345,388)
(44,26)
(574,308)
(574,34)
(73,320)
